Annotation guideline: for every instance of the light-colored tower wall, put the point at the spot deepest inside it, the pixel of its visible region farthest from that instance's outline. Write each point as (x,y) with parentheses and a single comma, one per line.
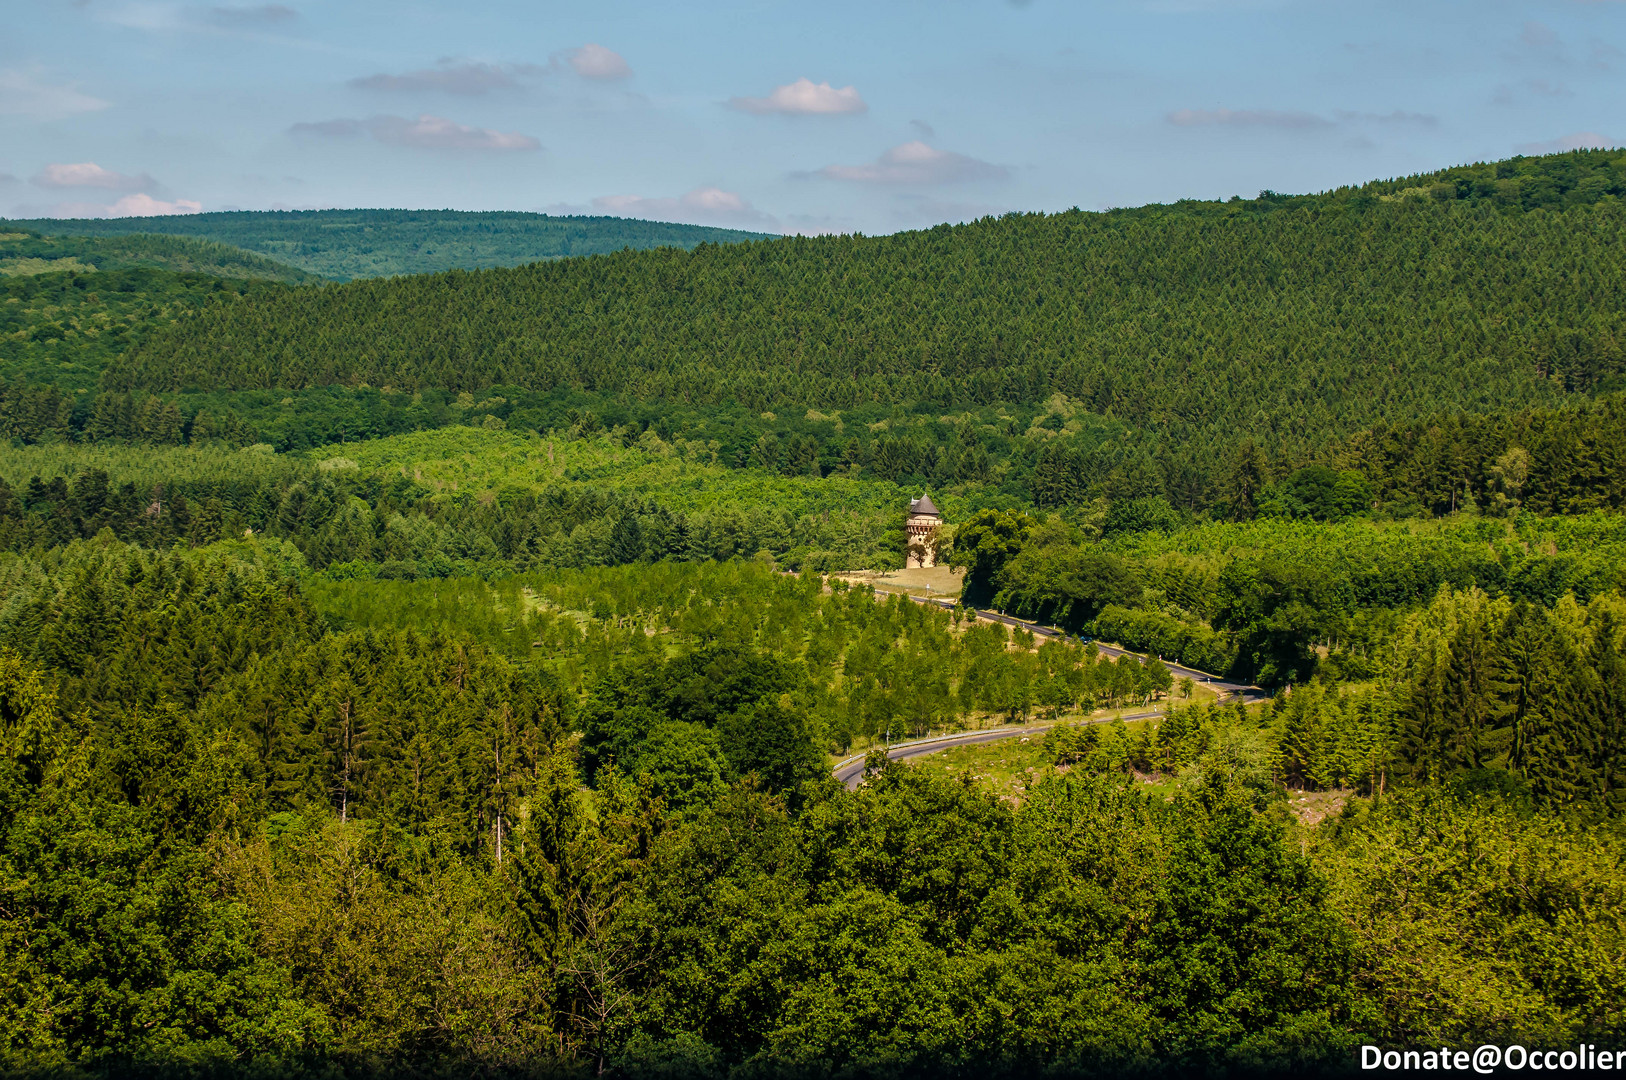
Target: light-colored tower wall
(921,528)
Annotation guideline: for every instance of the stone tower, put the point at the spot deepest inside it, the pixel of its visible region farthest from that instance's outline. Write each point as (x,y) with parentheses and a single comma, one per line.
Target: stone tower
(924,518)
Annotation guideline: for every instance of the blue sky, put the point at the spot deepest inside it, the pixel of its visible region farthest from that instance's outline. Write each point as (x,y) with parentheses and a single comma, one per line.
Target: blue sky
(833,116)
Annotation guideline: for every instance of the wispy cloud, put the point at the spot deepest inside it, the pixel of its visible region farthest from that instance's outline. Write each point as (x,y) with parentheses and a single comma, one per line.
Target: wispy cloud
(1396,118)
(702,206)
(1510,94)
(1542,42)
(596,62)
(1247,118)
(804,97)
(917,163)
(1295,120)
(88,174)
(249,16)
(1539,45)
(136,196)
(468,78)
(817,225)
(270,23)
(1581,140)
(426,132)
(137,205)
(913,211)
(26,93)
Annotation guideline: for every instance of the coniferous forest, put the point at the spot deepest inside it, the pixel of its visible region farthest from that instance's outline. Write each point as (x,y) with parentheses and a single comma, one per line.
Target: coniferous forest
(447,674)
(346,244)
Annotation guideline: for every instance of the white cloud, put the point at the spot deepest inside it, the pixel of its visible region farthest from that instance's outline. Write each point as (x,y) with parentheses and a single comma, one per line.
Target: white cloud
(917,163)
(88,174)
(140,205)
(465,78)
(1581,140)
(702,206)
(1246,118)
(596,62)
(24,93)
(426,132)
(804,97)
(137,205)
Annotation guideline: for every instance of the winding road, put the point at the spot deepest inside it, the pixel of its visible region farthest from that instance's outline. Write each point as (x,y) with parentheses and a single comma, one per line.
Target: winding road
(850,771)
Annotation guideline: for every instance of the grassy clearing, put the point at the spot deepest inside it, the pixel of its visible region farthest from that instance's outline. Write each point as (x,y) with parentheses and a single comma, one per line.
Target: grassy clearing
(1009,767)
(1005,768)
(932,581)
(146,466)
(478,461)
(27,266)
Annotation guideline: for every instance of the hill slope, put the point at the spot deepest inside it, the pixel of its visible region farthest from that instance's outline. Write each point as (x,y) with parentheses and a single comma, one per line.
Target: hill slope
(347,244)
(24,253)
(1292,319)
(70,304)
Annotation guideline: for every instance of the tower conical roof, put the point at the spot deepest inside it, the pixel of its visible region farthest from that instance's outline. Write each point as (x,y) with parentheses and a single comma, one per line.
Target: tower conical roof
(924,505)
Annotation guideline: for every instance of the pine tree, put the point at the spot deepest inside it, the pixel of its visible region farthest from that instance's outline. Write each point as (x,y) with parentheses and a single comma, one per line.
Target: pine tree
(1603,704)
(1472,698)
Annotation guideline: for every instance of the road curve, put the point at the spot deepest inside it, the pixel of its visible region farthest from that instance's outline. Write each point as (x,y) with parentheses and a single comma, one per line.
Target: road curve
(1225,687)
(850,772)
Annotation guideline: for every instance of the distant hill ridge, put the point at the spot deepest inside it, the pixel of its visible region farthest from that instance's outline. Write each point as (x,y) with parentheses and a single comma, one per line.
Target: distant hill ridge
(25,253)
(1297,319)
(347,244)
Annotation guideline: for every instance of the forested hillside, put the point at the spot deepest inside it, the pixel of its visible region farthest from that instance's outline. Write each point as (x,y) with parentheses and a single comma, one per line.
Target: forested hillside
(441,676)
(253,826)
(1295,321)
(24,253)
(60,327)
(346,244)
(1204,354)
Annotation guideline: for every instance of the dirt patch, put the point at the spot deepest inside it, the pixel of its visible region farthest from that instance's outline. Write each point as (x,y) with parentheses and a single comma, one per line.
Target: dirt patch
(938,581)
(1314,807)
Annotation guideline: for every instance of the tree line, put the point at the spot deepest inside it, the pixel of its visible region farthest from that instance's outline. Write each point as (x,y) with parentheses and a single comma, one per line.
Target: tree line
(346,244)
(1553,462)
(1276,600)
(1516,699)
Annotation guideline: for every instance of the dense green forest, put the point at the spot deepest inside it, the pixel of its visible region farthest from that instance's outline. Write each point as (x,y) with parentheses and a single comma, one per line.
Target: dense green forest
(1488,393)
(1294,321)
(443,675)
(242,833)
(346,244)
(69,304)
(24,252)
(59,330)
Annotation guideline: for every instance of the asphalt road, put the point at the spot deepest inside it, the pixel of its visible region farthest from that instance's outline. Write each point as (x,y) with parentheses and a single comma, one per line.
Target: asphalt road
(851,771)
(1225,687)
